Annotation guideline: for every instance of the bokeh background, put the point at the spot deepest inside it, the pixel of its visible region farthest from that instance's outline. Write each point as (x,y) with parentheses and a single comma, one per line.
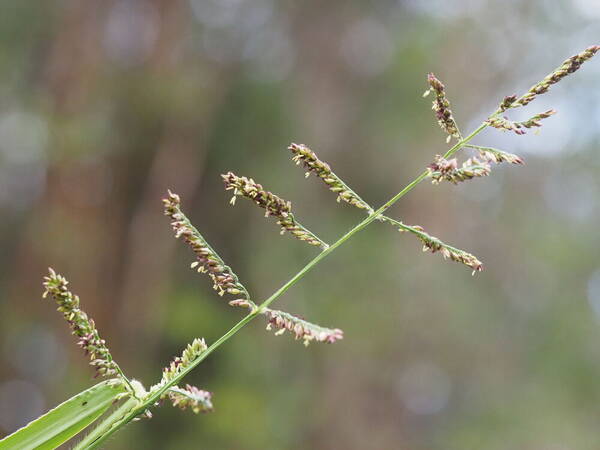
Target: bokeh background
(106,104)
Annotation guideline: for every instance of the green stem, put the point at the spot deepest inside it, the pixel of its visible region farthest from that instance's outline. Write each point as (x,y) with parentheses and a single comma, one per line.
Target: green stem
(155,396)
(108,426)
(125,379)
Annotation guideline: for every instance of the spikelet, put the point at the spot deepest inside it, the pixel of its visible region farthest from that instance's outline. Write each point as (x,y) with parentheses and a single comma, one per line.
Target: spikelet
(273,205)
(507,102)
(82,326)
(300,328)
(309,160)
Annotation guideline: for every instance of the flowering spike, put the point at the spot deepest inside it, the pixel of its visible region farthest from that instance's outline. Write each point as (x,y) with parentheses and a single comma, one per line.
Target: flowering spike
(273,205)
(301,329)
(197,400)
(179,363)
(434,245)
(534,122)
(570,65)
(208,261)
(305,156)
(441,106)
(504,124)
(443,169)
(494,155)
(81,325)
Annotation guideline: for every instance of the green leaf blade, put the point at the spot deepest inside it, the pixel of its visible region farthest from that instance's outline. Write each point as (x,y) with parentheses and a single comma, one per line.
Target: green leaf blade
(65,421)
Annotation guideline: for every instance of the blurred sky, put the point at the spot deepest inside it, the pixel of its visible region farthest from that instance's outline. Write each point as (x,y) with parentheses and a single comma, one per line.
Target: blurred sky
(104,105)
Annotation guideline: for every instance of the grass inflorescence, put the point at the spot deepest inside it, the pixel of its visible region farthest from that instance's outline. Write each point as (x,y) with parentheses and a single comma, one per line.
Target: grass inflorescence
(444,167)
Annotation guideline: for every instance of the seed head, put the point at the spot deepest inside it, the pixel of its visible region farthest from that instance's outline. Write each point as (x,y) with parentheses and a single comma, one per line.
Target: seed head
(441,106)
(309,160)
(534,121)
(434,245)
(493,155)
(272,204)
(207,260)
(504,124)
(179,363)
(570,65)
(301,329)
(198,400)
(81,325)
(443,169)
